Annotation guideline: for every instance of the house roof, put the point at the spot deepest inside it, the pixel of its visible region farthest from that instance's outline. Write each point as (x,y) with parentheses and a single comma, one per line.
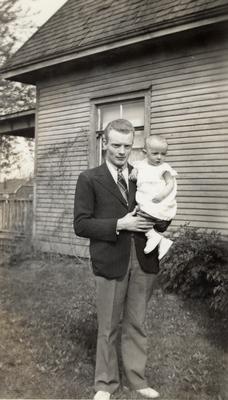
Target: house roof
(18,124)
(85,24)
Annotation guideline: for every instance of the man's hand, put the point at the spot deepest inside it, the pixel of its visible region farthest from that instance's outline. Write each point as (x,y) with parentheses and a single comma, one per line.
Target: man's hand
(134,223)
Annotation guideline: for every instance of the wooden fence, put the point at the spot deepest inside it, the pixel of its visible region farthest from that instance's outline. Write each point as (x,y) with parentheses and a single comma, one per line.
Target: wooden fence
(15,219)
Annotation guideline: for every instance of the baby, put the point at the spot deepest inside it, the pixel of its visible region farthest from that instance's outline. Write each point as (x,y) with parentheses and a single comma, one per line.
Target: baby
(156,192)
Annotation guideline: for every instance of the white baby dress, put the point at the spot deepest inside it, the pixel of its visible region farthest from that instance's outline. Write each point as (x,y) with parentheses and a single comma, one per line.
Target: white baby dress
(150,182)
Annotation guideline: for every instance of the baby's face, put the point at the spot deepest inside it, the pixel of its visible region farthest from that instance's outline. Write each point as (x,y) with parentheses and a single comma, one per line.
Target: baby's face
(156,153)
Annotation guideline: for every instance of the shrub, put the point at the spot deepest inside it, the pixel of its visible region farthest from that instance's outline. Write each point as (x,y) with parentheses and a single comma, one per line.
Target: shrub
(196,266)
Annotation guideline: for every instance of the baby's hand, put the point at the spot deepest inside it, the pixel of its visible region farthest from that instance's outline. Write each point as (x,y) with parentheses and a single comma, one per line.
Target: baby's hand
(133,175)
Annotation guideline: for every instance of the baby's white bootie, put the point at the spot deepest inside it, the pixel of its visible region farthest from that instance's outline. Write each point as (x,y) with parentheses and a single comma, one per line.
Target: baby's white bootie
(153,238)
(164,246)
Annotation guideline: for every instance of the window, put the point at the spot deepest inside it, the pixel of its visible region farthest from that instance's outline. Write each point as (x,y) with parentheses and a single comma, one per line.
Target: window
(131,107)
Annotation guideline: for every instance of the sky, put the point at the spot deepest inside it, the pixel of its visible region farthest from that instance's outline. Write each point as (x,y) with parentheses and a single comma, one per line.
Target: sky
(41,10)
(36,12)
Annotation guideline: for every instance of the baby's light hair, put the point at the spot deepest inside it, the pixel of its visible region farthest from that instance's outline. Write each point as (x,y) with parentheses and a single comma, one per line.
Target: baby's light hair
(155,140)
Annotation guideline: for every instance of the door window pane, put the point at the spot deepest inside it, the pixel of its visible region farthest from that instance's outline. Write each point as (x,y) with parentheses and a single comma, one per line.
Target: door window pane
(138,145)
(108,113)
(139,139)
(134,112)
(130,110)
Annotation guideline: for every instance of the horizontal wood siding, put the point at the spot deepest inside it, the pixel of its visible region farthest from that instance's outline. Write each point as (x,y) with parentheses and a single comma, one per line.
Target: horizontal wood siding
(189,104)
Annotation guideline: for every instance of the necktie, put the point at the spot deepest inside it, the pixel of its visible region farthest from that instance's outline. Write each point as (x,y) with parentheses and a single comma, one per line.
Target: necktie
(122,184)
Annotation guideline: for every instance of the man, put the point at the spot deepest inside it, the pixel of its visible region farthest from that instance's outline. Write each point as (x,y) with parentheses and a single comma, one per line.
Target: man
(105,213)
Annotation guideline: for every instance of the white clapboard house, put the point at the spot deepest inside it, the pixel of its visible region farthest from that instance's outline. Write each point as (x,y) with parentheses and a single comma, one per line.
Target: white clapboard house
(161,64)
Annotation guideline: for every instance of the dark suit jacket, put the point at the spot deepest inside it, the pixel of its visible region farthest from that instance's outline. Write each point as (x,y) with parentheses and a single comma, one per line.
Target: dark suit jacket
(98,205)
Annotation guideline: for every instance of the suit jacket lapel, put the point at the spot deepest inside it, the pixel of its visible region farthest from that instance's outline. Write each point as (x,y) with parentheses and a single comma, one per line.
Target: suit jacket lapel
(105,178)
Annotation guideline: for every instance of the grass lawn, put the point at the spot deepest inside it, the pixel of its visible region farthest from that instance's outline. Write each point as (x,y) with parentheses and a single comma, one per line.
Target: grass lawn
(48,337)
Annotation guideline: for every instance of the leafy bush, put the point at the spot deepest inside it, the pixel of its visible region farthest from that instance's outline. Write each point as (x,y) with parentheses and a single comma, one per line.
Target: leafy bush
(196,266)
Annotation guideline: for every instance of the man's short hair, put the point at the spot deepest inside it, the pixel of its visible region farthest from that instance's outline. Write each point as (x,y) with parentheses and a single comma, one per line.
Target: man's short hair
(120,125)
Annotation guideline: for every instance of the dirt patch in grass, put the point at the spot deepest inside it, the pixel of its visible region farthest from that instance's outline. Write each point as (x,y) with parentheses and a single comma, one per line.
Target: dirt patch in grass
(48,336)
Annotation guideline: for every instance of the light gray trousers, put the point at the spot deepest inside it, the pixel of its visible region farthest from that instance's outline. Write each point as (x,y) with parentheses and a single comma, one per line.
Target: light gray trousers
(122,301)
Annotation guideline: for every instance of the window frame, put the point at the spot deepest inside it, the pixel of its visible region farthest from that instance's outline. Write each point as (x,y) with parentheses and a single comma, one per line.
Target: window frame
(94,149)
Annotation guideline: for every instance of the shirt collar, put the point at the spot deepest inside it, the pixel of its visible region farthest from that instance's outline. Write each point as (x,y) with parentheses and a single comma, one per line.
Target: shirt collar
(113,170)
(112,167)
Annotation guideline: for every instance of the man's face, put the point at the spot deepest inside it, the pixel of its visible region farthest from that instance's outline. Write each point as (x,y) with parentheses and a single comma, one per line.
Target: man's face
(118,147)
